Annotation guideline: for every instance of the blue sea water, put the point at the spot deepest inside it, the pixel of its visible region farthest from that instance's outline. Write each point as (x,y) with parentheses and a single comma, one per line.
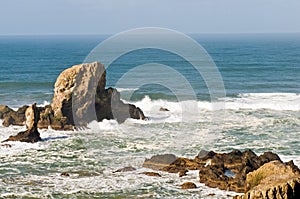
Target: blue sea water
(262,112)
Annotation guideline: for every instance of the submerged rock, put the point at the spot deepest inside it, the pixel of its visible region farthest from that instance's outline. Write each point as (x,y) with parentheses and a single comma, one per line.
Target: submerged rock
(188,185)
(125,169)
(154,174)
(31,134)
(273,180)
(158,162)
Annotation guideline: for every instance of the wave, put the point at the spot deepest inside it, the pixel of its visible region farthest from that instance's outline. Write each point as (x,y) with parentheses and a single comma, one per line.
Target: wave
(248,101)
(127,89)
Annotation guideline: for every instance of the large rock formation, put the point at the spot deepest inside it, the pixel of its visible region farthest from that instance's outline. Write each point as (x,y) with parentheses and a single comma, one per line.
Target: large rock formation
(79,98)
(31,134)
(273,180)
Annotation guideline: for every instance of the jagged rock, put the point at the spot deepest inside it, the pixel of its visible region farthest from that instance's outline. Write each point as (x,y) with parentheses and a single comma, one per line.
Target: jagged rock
(4,110)
(182,164)
(14,117)
(188,185)
(158,162)
(228,171)
(47,119)
(31,134)
(182,173)
(225,171)
(154,174)
(125,169)
(273,180)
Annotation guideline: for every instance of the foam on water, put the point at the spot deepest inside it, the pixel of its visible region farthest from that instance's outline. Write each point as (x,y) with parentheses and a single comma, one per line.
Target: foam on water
(91,155)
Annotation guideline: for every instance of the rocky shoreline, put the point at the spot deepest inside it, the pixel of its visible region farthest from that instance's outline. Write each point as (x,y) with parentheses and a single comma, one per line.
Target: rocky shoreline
(258,177)
(80,97)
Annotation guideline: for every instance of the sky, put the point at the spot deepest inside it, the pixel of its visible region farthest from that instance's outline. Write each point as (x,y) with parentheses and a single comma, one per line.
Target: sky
(38,17)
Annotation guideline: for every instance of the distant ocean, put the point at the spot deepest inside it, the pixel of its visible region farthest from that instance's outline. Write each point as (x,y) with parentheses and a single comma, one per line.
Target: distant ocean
(261,74)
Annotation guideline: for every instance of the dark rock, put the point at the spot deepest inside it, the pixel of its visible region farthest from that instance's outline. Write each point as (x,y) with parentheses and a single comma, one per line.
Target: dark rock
(235,163)
(65,174)
(182,173)
(181,164)
(158,162)
(212,194)
(31,134)
(125,169)
(163,109)
(225,171)
(154,174)
(204,155)
(15,117)
(188,185)
(4,110)
(6,145)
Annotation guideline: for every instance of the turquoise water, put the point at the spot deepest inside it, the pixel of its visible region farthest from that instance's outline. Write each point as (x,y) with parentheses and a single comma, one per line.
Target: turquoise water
(261,112)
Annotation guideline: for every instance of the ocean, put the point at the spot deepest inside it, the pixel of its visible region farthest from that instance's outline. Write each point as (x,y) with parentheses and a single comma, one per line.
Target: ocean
(259,111)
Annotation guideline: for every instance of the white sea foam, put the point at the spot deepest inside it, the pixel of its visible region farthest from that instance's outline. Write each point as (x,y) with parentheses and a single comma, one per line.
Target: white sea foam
(252,101)
(126,89)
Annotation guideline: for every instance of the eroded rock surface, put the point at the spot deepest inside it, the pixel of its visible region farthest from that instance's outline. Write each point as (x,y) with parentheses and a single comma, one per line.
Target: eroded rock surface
(273,180)
(31,134)
(79,98)
(225,171)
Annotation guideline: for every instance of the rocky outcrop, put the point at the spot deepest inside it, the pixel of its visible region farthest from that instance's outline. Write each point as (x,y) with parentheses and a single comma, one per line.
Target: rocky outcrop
(188,185)
(79,98)
(11,117)
(31,134)
(225,171)
(158,162)
(228,171)
(273,180)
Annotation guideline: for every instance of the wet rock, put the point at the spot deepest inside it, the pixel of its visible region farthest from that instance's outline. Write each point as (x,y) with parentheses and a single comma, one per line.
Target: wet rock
(188,185)
(273,180)
(4,110)
(182,173)
(225,171)
(154,174)
(228,171)
(181,164)
(163,109)
(31,134)
(158,162)
(125,169)
(6,145)
(65,174)
(14,117)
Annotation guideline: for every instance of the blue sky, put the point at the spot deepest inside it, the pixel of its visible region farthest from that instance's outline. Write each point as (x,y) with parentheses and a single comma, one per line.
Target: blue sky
(112,16)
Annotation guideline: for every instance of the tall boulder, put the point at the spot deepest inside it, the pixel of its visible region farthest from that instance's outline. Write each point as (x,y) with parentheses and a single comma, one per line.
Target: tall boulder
(80,97)
(76,88)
